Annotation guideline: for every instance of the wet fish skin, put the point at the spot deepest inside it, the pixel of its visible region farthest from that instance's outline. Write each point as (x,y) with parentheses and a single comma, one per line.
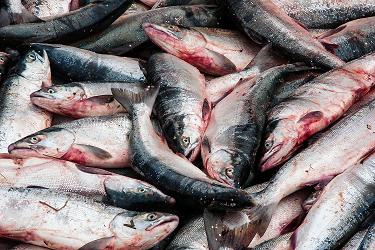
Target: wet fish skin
(72,26)
(181,105)
(70,62)
(265,21)
(313,107)
(213,51)
(47,9)
(153,159)
(190,236)
(13,12)
(17,112)
(354,241)
(93,141)
(81,99)
(236,124)
(279,243)
(121,39)
(61,220)
(118,190)
(351,40)
(23,246)
(344,203)
(5,59)
(309,167)
(368,241)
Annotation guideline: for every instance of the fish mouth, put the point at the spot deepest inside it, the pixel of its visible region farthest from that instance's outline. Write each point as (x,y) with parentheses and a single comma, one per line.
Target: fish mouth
(157,29)
(268,161)
(163,221)
(39,94)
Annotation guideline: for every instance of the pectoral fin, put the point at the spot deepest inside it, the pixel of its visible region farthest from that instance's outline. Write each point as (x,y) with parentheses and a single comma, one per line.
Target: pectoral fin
(100,244)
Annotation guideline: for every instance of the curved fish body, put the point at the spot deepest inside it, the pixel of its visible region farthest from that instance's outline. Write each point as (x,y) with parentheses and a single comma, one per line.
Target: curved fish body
(347,143)
(313,107)
(368,241)
(48,9)
(220,87)
(71,62)
(129,35)
(344,203)
(265,21)
(18,116)
(213,51)
(351,40)
(135,8)
(191,236)
(59,220)
(181,105)
(320,14)
(151,157)
(93,141)
(236,125)
(119,190)
(89,19)
(81,99)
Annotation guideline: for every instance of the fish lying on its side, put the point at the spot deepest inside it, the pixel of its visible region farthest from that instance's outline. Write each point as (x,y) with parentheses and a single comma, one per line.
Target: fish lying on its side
(264,21)
(59,220)
(93,141)
(119,190)
(81,99)
(151,157)
(213,51)
(313,107)
(17,114)
(181,105)
(344,203)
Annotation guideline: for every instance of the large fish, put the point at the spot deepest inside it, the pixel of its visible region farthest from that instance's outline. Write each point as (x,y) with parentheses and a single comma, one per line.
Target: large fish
(18,117)
(331,154)
(60,220)
(93,141)
(213,51)
(220,87)
(181,105)
(81,65)
(120,39)
(48,9)
(313,107)
(190,236)
(344,203)
(236,125)
(351,40)
(119,190)
(265,21)
(151,156)
(81,99)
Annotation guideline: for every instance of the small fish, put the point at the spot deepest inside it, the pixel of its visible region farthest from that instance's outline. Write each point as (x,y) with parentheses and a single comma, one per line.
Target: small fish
(18,117)
(81,99)
(60,220)
(264,21)
(121,39)
(181,105)
(69,62)
(87,20)
(313,107)
(213,51)
(151,157)
(93,141)
(118,190)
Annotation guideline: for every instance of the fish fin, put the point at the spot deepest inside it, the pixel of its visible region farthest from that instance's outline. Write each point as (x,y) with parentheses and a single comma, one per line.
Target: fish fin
(228,229)
(91,170)
(331,47)
(101,99)
(311,117)
(98,244)
(227,65)
(206,110)
(128,98)
(261,216)
(257,38)
(97,152)
(331,32)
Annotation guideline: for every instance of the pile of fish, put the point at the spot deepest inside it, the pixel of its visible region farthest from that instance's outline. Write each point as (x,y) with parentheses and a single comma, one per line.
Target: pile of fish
(187,124)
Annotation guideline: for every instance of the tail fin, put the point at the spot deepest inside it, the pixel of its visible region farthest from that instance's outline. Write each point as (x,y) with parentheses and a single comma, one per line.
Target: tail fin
(129,99)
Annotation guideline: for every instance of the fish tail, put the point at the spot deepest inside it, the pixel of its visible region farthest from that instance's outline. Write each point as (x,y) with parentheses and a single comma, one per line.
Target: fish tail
(130,99)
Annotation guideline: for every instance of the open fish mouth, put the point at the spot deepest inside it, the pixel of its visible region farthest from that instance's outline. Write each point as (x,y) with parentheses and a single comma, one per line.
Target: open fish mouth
(162,221)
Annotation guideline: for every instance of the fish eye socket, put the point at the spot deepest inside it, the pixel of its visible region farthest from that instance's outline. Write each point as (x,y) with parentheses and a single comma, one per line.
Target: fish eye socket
(185,140)
(34,140)
(50,91)
(151,217)
(31,57)
(142,190)
(268,145)
(2,59)
(229,172)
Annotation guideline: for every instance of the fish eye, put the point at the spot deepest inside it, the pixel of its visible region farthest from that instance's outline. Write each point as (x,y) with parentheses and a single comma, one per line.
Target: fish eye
(229,172)
(151,217)
(185,140)
(142,190)
(2,59)
(31,57)
(268,145)
(34,140)
(50,91)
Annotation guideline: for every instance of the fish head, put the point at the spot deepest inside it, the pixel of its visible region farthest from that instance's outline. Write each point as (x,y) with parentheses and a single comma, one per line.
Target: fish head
(184,135)
(227,166)
(49,97)
(279,144)
(35,66)
(148,228)
(135,195)
(52,142)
